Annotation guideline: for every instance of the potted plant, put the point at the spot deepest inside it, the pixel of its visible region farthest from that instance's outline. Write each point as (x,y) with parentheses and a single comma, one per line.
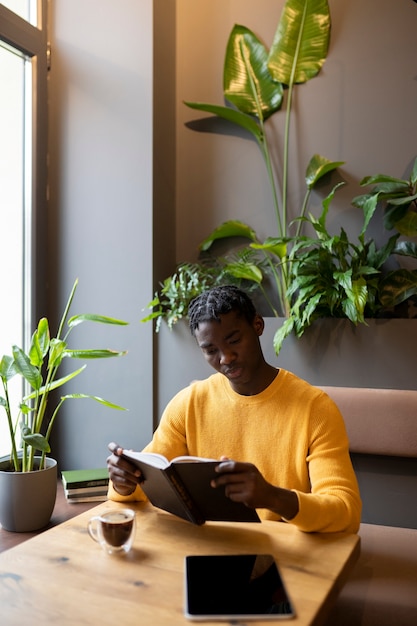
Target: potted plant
(30,428)
(323,275)
(255,80)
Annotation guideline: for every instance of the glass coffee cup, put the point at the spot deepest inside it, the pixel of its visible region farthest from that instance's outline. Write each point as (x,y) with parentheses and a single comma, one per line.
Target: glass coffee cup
(113,530)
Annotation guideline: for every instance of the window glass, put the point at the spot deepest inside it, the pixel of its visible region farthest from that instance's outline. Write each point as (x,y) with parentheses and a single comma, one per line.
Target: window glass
(14,207)
(24,8)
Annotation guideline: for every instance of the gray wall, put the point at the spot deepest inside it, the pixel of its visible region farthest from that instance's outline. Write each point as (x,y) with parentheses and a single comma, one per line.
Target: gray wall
(360,109)
(126,205)
(100,219)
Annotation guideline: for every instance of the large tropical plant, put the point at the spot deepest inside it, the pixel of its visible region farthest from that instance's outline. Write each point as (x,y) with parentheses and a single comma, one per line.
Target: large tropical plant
(31,428)
(255,81)
(256,84)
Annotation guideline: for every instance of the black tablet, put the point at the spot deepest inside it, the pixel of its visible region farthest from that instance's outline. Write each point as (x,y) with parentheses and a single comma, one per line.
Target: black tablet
(238,586)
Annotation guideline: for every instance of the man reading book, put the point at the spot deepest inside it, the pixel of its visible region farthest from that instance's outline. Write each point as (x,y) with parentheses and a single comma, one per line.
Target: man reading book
(281,443)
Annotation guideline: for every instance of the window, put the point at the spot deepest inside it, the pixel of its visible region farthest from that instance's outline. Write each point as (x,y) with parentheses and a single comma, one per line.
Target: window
(23,69)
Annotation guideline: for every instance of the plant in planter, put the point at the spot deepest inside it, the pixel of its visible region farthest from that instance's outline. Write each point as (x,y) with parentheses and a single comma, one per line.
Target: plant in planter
(356,283)
(254,82)
(30,430)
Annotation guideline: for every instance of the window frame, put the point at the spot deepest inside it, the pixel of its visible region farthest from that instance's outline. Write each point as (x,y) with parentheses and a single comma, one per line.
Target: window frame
(32,41)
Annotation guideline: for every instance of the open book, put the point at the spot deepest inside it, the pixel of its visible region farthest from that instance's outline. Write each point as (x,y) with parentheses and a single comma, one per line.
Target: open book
(182,487)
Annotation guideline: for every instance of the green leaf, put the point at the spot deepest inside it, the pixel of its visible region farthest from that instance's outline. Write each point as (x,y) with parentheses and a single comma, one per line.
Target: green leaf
(231,115)
(93,354)
(344,279)
(403,200)
(301,41)
(77,396)
(398,286)
(407,225)
(36,440)
(275,245)
(43,336)
(351,312)
(282,333)
(56,352)
(377,179)
(55,384)
(231,228)
(318,167)
(35,351)
(246,271)
(7,368)
(152,316)
(319,224)
(26,369)
(91,317)
(368,208)
(247,82)
(406,248)
(359,295)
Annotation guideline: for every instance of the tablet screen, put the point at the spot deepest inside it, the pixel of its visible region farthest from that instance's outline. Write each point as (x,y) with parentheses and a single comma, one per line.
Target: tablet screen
(239,586)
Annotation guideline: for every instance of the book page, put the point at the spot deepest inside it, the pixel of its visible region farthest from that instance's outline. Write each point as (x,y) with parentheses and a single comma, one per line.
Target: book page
(158,460)
(152,458)
(192,459)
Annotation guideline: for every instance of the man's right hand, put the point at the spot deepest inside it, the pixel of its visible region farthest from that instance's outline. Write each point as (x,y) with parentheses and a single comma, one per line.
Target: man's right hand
(124,475)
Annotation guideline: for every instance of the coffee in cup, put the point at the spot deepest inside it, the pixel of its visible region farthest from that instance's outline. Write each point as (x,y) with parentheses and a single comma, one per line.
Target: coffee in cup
(113,530)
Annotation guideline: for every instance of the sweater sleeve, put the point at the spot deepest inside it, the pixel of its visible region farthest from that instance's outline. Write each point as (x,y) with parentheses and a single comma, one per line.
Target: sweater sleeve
(334,503)
(169,439)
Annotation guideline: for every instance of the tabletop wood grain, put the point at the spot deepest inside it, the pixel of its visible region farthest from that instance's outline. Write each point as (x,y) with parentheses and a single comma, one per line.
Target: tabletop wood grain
(62,577)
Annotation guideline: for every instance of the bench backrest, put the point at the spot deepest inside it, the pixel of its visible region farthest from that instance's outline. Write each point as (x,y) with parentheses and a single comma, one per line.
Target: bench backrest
(378,421)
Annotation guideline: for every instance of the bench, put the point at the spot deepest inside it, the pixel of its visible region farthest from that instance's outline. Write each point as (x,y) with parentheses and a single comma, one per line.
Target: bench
(382,430)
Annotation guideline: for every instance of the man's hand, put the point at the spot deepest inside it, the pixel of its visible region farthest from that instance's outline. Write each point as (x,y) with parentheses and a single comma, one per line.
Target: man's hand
(124,475)
(243,482)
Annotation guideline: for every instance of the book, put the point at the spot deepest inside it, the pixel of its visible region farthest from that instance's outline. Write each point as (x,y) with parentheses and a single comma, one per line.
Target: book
(182,487)
(86,491)
(74,479)
(96,498)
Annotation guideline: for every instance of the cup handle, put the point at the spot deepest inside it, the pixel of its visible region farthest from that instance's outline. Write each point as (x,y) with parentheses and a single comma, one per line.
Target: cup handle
(92,528)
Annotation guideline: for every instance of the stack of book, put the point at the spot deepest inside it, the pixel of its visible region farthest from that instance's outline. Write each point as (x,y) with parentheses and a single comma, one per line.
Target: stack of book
(88,485)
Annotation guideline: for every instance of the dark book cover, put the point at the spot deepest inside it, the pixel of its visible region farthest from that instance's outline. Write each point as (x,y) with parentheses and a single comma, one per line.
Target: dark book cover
(184,489)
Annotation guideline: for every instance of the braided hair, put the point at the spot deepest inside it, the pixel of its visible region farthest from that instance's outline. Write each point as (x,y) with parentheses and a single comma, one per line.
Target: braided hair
(217,301)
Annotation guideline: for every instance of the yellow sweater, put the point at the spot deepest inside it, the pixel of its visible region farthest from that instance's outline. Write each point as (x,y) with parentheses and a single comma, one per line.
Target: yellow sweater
(292,432)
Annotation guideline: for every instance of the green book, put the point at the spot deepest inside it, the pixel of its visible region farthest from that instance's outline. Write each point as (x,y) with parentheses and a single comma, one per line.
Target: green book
(75,479)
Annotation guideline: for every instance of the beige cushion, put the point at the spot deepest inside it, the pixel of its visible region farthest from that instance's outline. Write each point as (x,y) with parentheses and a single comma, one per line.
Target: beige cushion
(382,588)
(378,421)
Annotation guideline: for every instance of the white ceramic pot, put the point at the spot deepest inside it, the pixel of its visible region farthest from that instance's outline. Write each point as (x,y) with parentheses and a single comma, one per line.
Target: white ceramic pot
(27,499)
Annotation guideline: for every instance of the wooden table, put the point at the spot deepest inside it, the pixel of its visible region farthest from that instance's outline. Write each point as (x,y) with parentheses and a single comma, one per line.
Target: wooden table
(62,577)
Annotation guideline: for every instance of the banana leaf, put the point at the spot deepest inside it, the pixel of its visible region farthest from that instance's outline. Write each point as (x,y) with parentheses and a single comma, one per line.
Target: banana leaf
(301,41)
(247,82)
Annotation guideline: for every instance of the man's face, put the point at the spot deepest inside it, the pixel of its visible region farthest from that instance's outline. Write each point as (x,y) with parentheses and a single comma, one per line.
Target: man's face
(232,348)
